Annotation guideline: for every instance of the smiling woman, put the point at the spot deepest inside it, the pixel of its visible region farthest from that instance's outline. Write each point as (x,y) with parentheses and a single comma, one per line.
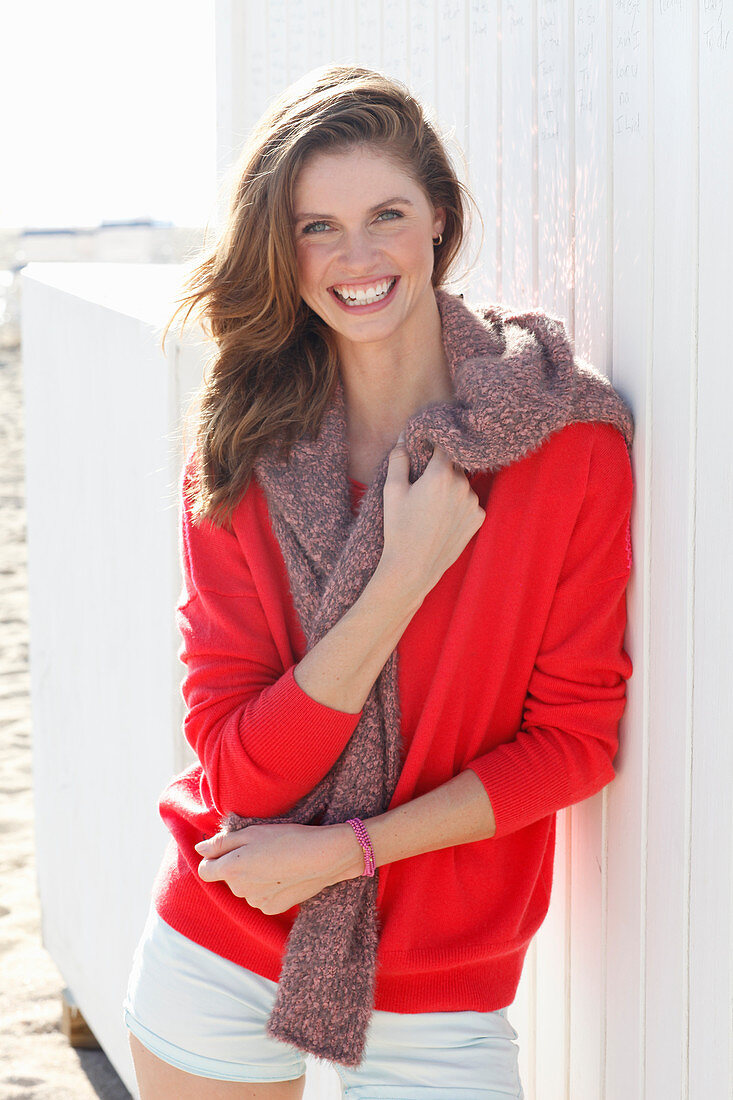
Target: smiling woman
(327,196)
(378,472)
(358,256)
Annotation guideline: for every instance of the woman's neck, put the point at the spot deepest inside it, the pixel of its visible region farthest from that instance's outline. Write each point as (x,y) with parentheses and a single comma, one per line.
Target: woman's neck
(385,385)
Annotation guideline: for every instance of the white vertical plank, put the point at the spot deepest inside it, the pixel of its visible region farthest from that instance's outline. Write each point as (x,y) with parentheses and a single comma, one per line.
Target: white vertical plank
(670,680)
(395,39)
(321,33)
(523,1017)
(517,150)
(343,20)
(369,34)
(482,149)
(103,673)
(450,96)
(578,204)
(452,90)
(516,287)
(555,179)
(711,917)
(422,69)
(632,287)
(276,46)
(588,208)
(299,55)
(552,978)
(586,1023)
(554,281)
(592,305)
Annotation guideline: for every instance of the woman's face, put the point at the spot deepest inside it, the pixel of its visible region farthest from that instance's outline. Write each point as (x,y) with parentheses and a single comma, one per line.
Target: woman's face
(363,226)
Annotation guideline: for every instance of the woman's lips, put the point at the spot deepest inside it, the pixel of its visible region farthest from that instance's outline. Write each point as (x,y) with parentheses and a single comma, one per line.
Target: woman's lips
(367,307)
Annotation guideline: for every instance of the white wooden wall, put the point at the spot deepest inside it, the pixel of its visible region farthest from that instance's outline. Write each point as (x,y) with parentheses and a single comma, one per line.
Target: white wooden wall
(598,141)
(103,456)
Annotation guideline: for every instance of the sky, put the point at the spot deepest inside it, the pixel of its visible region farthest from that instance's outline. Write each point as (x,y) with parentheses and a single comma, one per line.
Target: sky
(108,112)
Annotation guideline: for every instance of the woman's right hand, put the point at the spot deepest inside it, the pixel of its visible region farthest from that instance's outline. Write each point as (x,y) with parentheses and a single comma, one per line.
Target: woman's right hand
(427,524)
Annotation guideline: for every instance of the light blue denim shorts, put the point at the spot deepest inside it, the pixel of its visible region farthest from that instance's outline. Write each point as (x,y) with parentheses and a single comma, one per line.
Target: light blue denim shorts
(206,1015)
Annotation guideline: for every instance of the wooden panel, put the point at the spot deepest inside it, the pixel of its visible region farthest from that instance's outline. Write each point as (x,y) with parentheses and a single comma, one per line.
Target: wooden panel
(423,51)
(551,1014)
(555,178)
(592,217)
(670,542)
(583,269)
(517,285)
(553,278)
(482,149)
(344,24)
(579,125)
(325,30)
(451,86)
(275,46)
(631,357)
(369,35)
(711,593)
(103,670)
(395,60)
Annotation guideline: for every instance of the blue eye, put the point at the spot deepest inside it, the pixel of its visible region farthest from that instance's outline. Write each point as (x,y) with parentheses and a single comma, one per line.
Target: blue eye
(307,228)
(397,212)
(310,226)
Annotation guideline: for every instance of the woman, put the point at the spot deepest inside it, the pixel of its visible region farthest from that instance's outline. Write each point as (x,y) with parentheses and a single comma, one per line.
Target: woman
(405,550)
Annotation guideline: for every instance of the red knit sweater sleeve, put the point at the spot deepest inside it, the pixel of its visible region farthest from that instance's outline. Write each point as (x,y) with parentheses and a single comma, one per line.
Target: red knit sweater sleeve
(564,749)
(262,741)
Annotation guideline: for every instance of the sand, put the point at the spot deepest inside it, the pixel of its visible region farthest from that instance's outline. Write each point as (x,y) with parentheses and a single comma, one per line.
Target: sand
(36,1061)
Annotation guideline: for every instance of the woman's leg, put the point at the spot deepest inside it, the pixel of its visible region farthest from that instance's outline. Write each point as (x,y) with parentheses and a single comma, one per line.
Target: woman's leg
(197,1024)
(158,1080)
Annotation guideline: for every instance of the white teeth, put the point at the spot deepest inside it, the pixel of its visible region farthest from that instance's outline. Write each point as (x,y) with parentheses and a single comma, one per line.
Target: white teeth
(364,295)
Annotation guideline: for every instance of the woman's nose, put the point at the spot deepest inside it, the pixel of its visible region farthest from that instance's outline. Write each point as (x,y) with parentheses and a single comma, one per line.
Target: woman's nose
(358,250)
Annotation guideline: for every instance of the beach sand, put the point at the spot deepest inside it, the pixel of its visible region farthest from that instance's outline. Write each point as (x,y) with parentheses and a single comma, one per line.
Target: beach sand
(36,1061)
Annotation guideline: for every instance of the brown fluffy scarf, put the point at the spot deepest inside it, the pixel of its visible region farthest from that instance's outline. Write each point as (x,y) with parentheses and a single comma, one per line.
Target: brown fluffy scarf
(515,381)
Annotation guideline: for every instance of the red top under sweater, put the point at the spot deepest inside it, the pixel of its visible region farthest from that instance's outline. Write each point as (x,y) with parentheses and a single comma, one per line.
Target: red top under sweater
(513,666)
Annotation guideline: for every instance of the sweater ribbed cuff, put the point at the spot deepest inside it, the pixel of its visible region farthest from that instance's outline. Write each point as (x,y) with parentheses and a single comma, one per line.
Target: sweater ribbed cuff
(296,716)
(519,799)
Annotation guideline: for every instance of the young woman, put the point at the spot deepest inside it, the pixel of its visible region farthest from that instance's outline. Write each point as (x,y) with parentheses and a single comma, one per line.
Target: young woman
(405,550)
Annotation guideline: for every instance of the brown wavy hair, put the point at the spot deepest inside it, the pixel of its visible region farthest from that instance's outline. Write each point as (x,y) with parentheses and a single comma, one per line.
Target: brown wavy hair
(271,376)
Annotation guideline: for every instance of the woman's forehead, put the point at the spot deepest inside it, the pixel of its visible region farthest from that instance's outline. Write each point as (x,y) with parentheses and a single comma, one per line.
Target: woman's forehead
(324,176)
(324,164)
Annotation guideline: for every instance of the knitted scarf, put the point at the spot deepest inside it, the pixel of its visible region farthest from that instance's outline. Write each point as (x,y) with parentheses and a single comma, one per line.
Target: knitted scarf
(515,381)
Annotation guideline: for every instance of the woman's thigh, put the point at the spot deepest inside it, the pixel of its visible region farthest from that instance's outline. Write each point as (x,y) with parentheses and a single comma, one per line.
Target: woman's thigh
(196,1013)
(159,1080)
(203,1015)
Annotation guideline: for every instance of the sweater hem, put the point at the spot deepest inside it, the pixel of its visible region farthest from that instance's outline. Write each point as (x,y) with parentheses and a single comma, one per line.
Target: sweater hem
(479,985)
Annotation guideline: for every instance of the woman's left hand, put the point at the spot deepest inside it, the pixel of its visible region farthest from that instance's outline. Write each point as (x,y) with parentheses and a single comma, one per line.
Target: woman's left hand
(274,867)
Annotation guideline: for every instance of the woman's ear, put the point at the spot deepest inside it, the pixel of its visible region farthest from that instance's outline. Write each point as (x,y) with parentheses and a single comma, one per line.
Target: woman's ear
(438,219)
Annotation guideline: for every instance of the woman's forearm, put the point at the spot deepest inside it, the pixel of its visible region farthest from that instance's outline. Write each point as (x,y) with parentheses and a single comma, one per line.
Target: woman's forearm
(341,668)
(457,812)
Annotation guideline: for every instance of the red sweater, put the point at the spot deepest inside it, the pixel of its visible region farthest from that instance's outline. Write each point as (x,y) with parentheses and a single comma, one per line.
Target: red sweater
(513,666)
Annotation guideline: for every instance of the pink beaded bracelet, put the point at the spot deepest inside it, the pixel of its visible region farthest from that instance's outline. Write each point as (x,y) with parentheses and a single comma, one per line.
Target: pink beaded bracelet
(363,837)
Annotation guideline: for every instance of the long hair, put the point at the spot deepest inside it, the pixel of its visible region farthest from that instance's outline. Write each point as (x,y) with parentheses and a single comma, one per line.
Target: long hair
(272,374)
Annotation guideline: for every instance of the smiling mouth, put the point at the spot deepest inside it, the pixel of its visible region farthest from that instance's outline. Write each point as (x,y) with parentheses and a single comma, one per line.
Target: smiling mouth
(359,298)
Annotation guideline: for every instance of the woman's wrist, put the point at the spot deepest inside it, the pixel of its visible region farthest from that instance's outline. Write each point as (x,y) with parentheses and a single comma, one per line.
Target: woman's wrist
(394,589)
(349,855)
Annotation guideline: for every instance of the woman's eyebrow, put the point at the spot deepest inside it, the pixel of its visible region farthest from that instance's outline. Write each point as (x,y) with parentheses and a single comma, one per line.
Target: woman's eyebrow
(332,217)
